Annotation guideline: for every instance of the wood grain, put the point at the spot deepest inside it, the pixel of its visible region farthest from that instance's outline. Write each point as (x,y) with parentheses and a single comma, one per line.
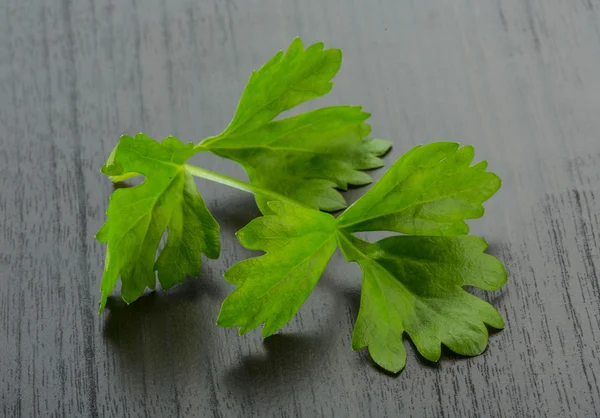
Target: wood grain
(519,79)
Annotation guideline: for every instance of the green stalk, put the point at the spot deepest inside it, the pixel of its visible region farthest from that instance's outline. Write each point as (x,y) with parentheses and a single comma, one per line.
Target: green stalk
(238,184)
(201,146)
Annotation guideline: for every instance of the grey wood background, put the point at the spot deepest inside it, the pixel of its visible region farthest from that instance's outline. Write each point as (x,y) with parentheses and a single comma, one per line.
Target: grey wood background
(519,79)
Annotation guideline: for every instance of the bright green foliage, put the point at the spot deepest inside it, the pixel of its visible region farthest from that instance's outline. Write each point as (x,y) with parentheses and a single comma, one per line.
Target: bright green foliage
(430,190)
(312,153)
(138,217)
(413,284)
(283,82)
(298,242)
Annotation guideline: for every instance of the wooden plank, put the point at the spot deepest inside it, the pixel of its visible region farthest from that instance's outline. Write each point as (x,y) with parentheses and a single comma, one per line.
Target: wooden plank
(518,79)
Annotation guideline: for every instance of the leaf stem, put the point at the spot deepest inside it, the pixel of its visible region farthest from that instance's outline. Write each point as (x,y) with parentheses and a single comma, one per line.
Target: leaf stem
(352,247)
(202,144)
(238,184)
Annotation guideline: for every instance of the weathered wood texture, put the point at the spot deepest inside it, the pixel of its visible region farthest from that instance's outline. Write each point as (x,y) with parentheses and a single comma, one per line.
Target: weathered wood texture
(519,79)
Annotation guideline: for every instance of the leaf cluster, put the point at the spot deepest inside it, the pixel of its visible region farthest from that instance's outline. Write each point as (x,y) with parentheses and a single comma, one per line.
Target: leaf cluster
(413,281)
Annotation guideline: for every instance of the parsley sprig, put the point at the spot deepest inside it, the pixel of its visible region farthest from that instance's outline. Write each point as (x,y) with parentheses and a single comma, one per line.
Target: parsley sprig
(413,282)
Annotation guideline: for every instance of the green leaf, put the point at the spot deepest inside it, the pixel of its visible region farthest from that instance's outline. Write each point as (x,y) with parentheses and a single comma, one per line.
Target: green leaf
(430,190)
(304,157)
(283,82)
(138,216)
(413,285)
(298,242)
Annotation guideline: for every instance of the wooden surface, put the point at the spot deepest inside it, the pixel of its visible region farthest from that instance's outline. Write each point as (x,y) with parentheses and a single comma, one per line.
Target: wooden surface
(519,79)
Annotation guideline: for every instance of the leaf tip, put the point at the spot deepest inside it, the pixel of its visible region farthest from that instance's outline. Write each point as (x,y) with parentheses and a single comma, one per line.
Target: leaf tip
(102,303)
(267,331)
(244,329)
(220,321)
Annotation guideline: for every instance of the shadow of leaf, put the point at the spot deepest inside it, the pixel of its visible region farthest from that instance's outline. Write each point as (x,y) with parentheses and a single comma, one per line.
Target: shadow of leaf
(234,212)
(289,361)
(162,328)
